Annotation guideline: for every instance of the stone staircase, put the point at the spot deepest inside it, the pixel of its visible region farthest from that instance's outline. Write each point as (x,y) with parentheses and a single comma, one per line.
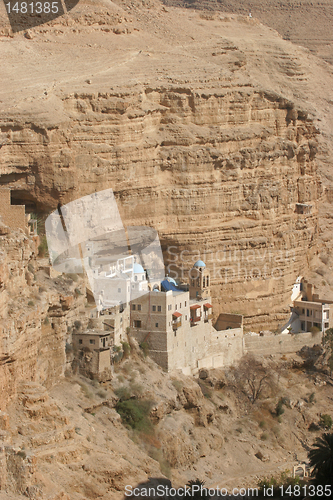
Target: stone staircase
(44,431)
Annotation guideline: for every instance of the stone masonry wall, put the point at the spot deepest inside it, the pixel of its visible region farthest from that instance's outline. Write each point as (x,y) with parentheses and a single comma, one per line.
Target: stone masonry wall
(12,216)
(280,344)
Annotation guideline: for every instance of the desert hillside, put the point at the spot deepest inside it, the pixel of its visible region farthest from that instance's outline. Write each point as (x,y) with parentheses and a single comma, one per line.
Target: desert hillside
(215,130)
(307,23)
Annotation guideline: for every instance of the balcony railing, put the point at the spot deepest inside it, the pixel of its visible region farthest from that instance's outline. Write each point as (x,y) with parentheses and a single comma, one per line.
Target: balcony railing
(208,317)
(195,319)
(176,324)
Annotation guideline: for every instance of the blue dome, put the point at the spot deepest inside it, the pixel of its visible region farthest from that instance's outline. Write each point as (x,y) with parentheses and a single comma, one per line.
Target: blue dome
(199,263)
(171,280)
(137,268)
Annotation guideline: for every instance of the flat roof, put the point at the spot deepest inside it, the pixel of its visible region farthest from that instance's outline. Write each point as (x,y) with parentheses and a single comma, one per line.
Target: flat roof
(100,333)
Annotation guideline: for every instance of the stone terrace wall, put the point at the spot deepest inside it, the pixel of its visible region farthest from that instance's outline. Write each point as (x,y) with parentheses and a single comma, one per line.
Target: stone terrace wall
(280,344)
(157,342)
(225,348)
(12,216)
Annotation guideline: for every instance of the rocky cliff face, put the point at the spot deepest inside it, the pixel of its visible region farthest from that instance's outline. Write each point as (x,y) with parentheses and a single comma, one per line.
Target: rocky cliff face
(189,141)
(37,315)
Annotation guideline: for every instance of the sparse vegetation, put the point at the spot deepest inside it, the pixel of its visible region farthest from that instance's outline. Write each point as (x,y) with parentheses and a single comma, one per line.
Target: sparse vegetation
(328,344)
(31,303)
(43,249)
(102,394)
(144,346)
(135,414)
(123,393)
(205,389)
(85,390)
(68,348)
(198,489)
(178,385)
(126,349)
(284,480)
(312,398)
(279,410)
(72,276)
(326,422)
(252,377)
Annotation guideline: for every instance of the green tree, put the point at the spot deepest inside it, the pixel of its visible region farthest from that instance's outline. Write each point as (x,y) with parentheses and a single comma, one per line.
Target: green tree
(321,459)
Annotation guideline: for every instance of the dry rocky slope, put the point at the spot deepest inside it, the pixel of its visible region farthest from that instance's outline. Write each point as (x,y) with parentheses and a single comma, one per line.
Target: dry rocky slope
(306,22)
(208,128)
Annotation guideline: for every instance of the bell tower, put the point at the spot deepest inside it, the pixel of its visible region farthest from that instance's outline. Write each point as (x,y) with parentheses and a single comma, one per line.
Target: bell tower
(199,281)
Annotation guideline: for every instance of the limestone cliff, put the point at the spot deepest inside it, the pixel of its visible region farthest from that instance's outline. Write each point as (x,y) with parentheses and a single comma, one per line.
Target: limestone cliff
(179,115)
(37,315)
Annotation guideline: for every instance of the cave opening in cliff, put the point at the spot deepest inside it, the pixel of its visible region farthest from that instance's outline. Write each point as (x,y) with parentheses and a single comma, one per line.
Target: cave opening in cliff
(21,197)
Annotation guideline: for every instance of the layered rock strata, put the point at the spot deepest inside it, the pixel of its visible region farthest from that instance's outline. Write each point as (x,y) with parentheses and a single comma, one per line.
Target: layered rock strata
(223,167)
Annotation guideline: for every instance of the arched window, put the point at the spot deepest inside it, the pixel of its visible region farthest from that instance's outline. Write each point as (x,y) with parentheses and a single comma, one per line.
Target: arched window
(207,280)
(204,282)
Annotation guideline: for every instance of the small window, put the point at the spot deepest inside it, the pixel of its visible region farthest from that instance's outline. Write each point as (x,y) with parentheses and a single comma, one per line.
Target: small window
(176,307)
(185,303)
(139,307)
(159,308)
(143,277)
(154,308)
(135,278)
(175,333)
(119,290)
(185,317)
(156,325)
(133,307)
(180,305)
(92,341)
(80,341)
(137,324)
